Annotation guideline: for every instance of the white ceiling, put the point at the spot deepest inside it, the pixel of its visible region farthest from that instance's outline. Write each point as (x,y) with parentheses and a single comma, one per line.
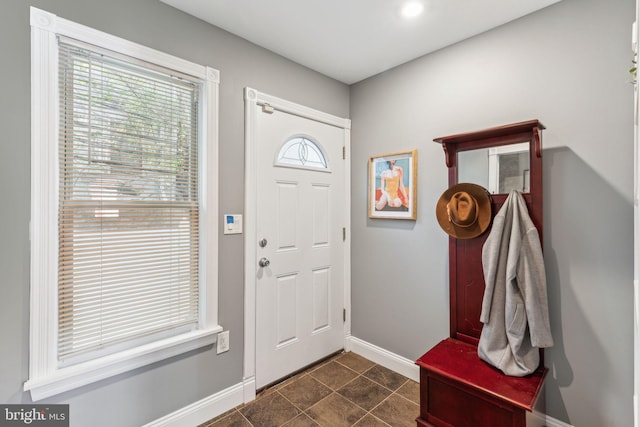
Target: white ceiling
(350,40)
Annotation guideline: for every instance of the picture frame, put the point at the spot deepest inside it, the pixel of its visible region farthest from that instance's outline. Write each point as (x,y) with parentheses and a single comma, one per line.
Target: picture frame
(393,185)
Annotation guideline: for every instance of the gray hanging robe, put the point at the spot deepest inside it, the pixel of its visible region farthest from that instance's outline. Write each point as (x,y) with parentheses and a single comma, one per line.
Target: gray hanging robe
(515,311)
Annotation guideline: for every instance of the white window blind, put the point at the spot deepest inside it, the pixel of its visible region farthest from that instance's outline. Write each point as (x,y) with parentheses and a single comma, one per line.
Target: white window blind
(129,209)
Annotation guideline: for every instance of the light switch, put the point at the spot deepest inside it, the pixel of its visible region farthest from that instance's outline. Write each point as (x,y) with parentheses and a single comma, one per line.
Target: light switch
(232,224)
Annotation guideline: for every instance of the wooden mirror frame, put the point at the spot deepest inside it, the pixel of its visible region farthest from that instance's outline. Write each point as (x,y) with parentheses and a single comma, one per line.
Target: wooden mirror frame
(466,280)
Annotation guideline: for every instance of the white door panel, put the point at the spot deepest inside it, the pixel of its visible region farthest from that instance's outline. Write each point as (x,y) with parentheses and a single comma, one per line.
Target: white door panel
(300,214)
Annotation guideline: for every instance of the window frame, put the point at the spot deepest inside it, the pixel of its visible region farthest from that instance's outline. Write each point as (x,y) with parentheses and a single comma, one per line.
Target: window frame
(46,375)
(291,164)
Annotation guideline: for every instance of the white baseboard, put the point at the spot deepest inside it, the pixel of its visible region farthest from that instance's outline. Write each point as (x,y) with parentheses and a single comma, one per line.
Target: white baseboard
(383,357)
(538,419)
(209,407)
(552,422)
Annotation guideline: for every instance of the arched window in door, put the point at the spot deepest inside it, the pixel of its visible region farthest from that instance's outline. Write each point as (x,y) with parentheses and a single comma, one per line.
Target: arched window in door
(302,152)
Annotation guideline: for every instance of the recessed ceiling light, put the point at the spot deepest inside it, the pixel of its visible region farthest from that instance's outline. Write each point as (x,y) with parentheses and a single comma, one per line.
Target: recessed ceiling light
(412,9)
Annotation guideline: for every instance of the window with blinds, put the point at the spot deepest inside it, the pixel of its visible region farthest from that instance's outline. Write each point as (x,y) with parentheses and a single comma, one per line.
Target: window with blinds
(128,221)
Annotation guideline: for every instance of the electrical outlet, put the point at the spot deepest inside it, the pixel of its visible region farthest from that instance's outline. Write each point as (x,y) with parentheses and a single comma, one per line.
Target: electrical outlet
(223,342)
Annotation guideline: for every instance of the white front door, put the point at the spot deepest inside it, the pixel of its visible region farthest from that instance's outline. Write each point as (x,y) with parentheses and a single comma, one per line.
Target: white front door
(300,242)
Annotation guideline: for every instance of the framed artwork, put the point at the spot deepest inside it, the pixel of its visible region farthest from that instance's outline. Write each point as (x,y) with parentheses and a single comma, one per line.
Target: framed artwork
(393,185)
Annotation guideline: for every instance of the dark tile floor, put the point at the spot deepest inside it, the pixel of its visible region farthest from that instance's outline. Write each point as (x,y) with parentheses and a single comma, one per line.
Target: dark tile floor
(346,390)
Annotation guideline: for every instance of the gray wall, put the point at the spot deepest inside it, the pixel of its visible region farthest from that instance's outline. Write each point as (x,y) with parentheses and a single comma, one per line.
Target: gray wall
(566,66)
(147,394)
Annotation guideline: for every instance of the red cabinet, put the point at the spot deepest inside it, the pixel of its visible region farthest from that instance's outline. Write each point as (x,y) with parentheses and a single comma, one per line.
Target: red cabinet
(458,389)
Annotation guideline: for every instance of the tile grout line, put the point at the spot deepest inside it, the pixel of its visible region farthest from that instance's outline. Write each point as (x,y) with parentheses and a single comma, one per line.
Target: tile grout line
(291,380)
(277,388)
(245,418)
(362,374)
(359,374)
(309,372)
(336,391)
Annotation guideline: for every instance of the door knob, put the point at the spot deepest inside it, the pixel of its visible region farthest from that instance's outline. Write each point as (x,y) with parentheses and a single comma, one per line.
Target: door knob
(264,262)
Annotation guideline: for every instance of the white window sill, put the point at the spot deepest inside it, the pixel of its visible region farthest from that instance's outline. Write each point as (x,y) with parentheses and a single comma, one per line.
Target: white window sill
(71,377)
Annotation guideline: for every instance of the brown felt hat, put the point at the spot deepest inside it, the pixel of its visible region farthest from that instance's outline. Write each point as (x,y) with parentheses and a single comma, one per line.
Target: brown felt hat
(464,210)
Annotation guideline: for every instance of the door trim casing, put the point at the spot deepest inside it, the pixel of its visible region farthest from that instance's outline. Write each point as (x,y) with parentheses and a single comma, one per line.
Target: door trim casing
(252,99)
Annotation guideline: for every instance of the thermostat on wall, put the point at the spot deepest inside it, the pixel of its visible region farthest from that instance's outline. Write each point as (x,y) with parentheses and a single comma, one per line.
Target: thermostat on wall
(232,224)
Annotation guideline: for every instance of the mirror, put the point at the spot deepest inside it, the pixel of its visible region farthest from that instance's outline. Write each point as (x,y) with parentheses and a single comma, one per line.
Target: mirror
(498,169)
